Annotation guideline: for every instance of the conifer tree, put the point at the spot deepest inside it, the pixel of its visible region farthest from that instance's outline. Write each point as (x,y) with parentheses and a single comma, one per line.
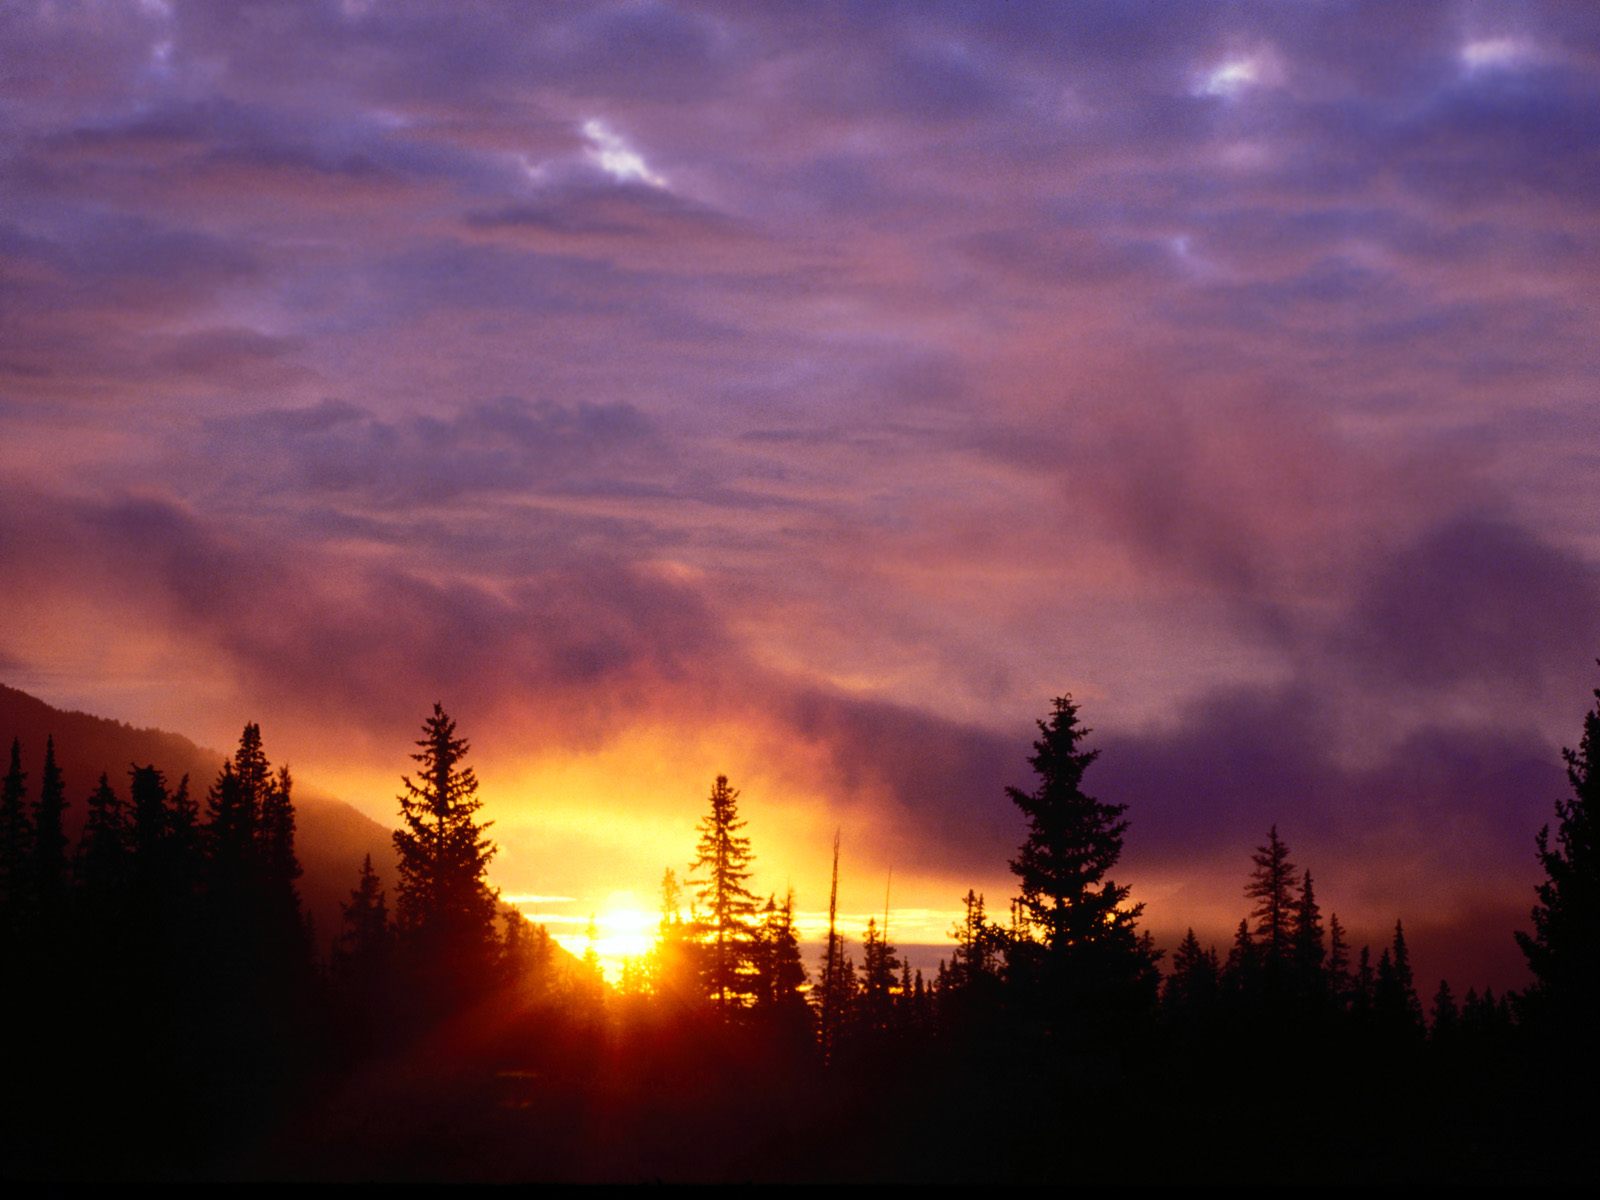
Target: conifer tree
(445,907)
(275,836)
(103,851)
(1241,972)
(974,962)
(184,845)
(361,951)
(1073,843)
(15,838)
(50,838)
(147,797)
(722,863)
(781,971)
(1446,1017)
(1192,988)
(879,962)
(1338,963)
(1308,947)
(675,971)
(1271,886)
(1563,951)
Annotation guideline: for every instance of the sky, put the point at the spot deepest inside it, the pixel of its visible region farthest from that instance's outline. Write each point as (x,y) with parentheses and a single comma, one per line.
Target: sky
(810,393)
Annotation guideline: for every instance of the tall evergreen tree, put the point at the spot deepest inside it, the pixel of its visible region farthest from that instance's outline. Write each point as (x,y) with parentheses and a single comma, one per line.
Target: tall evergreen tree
(1338,962)
(1271,886)
(102,859)
(50,838)
(722,864)
(15,839)
(1308,947)
(1563,951)
(147,797)
(1194,985)
(1073,842)
(780,969)
(445,907)
(975,960)
(879,962)
(675,973)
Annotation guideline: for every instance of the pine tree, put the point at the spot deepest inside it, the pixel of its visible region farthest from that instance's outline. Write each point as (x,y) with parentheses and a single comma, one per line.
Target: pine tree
(879,962)
(103,851)
(1073,842)
(445,907)
(15,839)
(1338,964)
(1307,945)
(1446,1017)
(722,861)
(1394,997)
(362,949)
(781,971)
(147,796)
(1192,989)
(974,962)
(1241,973)
(1271,886)
(275,836)
(1563,951)
(50,839)
(675,973)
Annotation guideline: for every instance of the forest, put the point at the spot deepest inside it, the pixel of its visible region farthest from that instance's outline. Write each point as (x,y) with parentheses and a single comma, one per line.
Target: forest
(171,1013)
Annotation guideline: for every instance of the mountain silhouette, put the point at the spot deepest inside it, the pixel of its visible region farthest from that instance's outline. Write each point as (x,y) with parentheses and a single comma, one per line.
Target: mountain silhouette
(331,837)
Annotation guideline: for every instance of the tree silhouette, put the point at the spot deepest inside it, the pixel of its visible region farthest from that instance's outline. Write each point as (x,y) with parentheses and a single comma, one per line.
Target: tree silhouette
(1074,954)
(50,838)
(675,973)
(722,863)
(780,969)
(14,838)
(102,858)
(1271,886)
(879,962)
(1308,947)
(362,950)
(445,908)
(1073,841)
(1563,951)
(1193,987)
(1338,963)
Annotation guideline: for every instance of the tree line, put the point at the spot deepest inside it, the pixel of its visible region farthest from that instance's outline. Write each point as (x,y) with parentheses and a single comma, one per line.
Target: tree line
(166,955)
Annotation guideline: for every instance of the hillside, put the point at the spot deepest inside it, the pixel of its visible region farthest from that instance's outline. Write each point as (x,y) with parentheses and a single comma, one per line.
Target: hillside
(331,836)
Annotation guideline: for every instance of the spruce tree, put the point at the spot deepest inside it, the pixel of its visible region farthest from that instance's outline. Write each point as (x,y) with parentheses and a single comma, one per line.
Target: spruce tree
(1073,843)
(361,951)
(1271,886)
(879,962)
(781,971)
(674,967)
(102,859)
(1308,948)
(722,864)
(1338,964)
(1563,951)
(1192,988)
(50,839)
(15,839)
(1446,1016)
(445,908)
